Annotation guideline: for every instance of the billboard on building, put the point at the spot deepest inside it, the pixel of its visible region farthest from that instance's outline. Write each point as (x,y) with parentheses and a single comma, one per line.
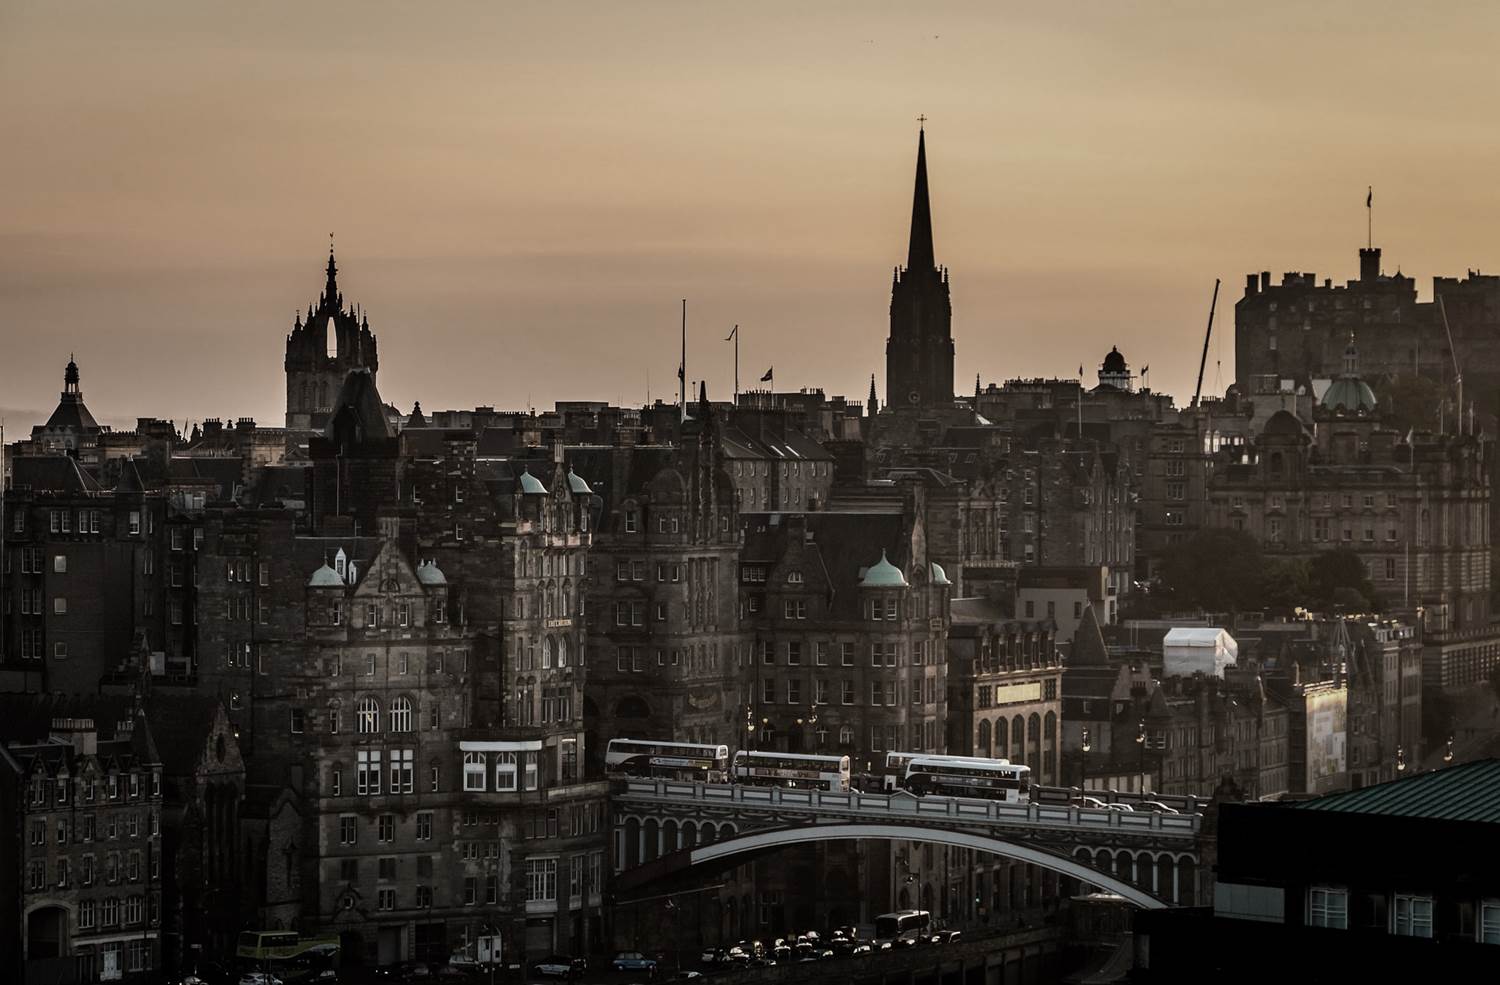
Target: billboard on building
(1327,731)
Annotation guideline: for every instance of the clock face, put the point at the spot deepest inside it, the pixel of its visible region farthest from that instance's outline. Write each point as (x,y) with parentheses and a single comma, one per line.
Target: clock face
(914,397)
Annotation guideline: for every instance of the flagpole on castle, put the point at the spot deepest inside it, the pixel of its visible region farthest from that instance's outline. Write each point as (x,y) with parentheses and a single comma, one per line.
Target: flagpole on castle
(1370,217)
(682,367)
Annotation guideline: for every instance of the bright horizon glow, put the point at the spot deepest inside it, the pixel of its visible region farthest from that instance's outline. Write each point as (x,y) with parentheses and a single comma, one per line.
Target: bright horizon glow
(523,192)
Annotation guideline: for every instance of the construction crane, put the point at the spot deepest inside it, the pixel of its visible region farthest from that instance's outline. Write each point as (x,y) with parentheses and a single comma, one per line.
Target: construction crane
(1458,376)
(1203,362)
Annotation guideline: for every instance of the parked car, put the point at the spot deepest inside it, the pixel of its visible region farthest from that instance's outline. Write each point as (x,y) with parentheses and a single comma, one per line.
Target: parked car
(945,937)
(259,978)
(634,961)
(1092,803)
(1155,807)
(1122,808)
(558,966)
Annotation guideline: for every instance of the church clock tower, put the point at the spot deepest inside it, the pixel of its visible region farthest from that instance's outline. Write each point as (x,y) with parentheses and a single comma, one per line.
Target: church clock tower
(919,351)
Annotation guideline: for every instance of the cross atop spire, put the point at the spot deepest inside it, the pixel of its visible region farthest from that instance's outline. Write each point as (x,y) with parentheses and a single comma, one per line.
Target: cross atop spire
(919,254)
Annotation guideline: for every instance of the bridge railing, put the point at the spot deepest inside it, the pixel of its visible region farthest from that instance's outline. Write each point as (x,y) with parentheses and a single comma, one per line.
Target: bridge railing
(903,805)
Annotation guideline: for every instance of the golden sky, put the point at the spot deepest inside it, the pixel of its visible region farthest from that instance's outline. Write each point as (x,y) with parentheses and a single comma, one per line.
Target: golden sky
(523,192)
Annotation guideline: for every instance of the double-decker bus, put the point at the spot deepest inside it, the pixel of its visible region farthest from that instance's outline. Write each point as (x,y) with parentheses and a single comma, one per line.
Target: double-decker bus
(672,760)
(792,769)
(895,769)
(288,955)
(903,925)
(957,776)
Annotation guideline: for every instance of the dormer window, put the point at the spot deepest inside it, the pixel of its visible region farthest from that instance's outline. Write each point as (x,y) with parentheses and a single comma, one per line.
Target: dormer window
(794,578)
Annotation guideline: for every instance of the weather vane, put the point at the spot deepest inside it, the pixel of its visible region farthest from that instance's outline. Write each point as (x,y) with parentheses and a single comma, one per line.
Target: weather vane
(922,120)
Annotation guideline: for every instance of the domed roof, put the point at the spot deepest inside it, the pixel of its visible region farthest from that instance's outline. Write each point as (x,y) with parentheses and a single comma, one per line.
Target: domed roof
(325,577)
(1349,394)
(531,485)
(882,574)
(428,573)
(1114,362)
(939,576)
(1283,422)
(577,486)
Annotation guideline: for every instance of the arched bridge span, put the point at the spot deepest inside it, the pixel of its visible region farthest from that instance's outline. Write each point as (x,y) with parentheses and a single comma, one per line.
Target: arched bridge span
(765,839)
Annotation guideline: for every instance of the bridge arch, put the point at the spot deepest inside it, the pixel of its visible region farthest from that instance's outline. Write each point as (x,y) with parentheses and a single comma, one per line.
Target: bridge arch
(1067,865)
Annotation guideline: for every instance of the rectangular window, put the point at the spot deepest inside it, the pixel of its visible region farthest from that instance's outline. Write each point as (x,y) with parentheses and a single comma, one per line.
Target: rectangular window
(347,830)
(530,776)
(848,692)
(298,720)
(768,691)
(1327,907)
(541,880)
(1489,921)
(387,827)
(1412,916)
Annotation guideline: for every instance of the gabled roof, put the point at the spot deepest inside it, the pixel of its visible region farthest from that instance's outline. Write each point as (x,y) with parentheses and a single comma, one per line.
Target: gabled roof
(1467,792)
(52,473)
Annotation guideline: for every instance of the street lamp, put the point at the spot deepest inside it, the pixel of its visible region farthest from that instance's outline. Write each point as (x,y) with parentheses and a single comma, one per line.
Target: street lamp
(1448,753)
(1083,778)
(1400,760)
(1140,741)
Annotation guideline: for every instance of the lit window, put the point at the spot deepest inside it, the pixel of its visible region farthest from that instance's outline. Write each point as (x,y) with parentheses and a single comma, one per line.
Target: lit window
(1412,916)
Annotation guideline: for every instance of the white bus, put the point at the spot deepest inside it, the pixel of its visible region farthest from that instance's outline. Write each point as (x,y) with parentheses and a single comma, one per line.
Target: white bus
(903,925)
(956,776)
(672,760)
(791,769)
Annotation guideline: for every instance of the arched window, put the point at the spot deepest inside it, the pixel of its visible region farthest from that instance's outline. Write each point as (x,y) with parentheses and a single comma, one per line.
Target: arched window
(1051,727)
(369,716)
(846,735)
(562,651)
(548,651)
(984,737)
(474,771)
(1034,727)
(1017,735)
(1002,748)
(401,715)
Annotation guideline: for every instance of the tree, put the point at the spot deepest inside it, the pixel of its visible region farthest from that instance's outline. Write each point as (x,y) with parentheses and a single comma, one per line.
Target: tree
(1284,585)
(1218,569)
(1337,578)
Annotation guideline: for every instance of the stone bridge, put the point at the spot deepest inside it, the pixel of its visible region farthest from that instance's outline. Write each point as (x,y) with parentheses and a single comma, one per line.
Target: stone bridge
(663,828)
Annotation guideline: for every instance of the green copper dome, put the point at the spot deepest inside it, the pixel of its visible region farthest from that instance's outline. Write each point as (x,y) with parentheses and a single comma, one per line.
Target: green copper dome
(883,574)
(531,485)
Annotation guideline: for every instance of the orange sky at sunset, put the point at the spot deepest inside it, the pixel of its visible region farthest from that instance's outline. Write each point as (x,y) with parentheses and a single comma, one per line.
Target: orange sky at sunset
(523,192)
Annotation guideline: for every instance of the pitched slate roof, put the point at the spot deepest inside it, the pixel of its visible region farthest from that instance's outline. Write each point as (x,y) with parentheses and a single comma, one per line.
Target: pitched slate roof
(1467,792)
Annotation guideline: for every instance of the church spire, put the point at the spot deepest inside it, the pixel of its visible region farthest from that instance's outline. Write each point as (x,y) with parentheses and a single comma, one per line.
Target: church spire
(919,255)
(331,289)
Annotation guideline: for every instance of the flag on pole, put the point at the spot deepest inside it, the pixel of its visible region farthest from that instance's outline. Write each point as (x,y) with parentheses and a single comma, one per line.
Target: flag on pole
(1370,197)
(1080,371)
(768,375)
(733,334)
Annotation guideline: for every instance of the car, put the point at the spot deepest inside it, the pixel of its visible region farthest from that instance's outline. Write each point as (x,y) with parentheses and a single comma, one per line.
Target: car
(557,966)
(1091,803)
(688,976)
(861,948)
(945,937)
(1122,808)
(634,961)
(259,978)
(1155,807)
(736,955)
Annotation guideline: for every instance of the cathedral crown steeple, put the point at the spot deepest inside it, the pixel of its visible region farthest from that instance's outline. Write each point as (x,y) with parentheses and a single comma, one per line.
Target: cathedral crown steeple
(331,289)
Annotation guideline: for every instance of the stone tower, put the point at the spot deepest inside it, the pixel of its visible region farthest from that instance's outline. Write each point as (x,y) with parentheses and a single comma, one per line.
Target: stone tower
(321,352)
(919,351)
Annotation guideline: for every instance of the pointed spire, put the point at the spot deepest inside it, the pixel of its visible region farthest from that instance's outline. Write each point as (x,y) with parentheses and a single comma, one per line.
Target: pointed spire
(919,255)
(874,407)
(331,290)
